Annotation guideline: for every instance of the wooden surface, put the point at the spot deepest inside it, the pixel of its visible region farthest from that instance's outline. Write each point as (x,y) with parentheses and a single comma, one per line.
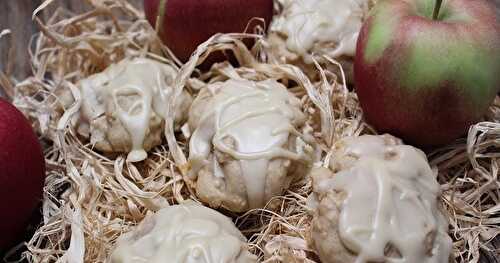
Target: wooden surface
(13,14)
(16,16)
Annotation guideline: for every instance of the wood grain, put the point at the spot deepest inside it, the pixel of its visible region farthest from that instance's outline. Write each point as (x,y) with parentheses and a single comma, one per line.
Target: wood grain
(16,16)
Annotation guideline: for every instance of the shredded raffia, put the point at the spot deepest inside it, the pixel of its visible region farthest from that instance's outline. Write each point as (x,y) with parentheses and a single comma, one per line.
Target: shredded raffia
(90,199)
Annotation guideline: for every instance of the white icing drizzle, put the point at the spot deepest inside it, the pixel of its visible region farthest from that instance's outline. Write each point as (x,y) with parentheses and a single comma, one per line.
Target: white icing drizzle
(259,117)
(136,124)
(307,23)
(391,199)
(131,90)
(187,233)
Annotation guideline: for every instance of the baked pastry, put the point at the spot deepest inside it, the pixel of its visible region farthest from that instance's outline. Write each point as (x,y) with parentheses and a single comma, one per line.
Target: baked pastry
(312,28)
(378,202)
(250,141)
(123,107)
(185,233)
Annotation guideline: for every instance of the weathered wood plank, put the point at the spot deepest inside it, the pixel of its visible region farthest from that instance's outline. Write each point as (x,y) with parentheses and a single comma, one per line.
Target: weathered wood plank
(16,15)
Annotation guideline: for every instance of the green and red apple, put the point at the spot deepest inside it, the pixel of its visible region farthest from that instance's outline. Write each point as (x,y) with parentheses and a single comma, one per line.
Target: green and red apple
(425,70)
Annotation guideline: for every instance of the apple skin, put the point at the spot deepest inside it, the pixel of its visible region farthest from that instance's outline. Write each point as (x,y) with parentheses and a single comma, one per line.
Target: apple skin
(427,80)
(22,173)
(188,23)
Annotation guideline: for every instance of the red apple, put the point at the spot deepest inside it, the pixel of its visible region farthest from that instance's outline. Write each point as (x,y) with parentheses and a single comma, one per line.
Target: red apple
(426,72)
(22,173)
(188,23)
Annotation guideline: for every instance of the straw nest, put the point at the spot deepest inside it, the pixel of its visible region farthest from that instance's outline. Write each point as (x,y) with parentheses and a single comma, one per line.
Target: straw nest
(90,199)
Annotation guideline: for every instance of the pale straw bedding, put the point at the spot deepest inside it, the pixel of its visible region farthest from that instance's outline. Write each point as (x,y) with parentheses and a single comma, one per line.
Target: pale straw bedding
(90,199)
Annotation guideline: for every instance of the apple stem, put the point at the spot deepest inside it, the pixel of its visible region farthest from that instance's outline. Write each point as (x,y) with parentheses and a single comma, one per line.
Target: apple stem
(437,7)
(162,6)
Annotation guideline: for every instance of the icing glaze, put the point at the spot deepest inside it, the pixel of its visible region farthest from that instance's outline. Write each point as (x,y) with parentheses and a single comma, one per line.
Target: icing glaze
(123,107)
(335,24)
(186,233)
(246,138)
(387,200)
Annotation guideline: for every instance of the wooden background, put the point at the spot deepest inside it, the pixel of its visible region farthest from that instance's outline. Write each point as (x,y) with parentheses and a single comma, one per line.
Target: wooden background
(16,16)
